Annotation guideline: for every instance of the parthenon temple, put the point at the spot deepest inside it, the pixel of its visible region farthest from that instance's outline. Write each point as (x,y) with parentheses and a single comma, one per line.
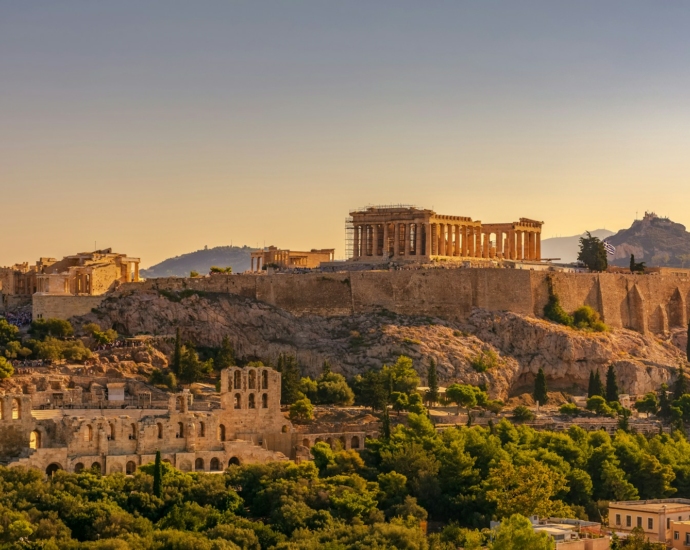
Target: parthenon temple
(382,233)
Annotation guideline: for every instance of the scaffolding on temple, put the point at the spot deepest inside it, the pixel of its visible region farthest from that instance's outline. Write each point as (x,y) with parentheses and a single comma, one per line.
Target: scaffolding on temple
(349,238)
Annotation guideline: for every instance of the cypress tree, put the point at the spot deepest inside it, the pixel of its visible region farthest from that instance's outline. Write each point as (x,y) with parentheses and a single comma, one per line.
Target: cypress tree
(432,382)
(632,263)
(177,354)
(590,388)
(226,355)
(611,385)
(679,387)
(540,392)
(290,377)
(598,385)
(664,402)
(386,424)
(157,475)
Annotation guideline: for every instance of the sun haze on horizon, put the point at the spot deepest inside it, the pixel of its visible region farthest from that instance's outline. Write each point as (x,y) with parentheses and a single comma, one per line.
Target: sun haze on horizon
(158,128)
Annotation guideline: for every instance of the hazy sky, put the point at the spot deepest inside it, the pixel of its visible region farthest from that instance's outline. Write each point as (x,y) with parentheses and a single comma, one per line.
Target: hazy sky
(159,127)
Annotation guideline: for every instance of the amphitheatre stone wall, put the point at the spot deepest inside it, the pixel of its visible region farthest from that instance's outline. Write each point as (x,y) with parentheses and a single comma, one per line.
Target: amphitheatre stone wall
(646,303)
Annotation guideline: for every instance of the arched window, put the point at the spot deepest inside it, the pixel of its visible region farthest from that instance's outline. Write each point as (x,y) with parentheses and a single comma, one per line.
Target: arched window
(35,440)
(215,464)
(88,433)
(96,467)
(343,443)
(111,434)
(180,430)
(16,409)
(318,440)
(130,468)
(234,461)
(238,401)
(354,444)
(202,429)
(199,464)
(237,380)
(252,402)
(330,442)
(221,433)
(252,379)
(264,401)
(160,430)
(133,431)
(264,380)
(52,468)
(78,468)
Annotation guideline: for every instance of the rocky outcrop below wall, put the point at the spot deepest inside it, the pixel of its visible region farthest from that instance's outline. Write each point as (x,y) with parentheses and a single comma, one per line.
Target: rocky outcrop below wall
(519,344)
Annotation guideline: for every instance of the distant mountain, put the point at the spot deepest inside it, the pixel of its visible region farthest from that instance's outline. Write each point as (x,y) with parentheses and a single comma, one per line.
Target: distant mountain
(653,240)
(239,258)
(567,248)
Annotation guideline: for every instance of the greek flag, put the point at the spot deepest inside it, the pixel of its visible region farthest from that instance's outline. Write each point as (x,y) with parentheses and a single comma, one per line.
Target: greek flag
(610,249)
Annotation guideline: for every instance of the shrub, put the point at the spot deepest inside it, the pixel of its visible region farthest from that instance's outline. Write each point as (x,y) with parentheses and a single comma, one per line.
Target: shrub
(597,404)
(215,269)
(586,318)
(522,414)
(570,409)
(487,359)
(553,311)
(57,328)
(6,369)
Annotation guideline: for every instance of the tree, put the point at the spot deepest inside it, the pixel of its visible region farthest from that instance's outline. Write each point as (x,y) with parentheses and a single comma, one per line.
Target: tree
(680,386)
(553,311)
(157,475)
(372,389)
(664,402)
(648,404)
(611,385)
(517,533)
(177,354)
(598,405)
(402,376)
(332,389)
(540,391)
(592,253)
(598,386)
(226,355)
(57,328)
(8,333)
(432,379)
(591,387)
(569,409)
(463,395)
(6,368)
(636,267)
(289,379)
(216,269)
(302,410)
(191,368)
(522,414)
(386,425)
(399,401)
(530,489)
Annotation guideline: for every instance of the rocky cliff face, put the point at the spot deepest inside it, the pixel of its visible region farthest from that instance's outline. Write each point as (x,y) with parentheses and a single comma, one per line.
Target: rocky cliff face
(512,346)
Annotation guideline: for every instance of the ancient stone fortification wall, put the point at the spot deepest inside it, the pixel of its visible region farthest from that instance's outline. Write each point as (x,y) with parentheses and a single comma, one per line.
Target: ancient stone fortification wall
(644,303)
(63,307)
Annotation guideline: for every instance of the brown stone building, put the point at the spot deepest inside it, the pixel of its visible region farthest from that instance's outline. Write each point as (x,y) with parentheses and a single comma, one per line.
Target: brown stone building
(248,427)
(290,259)
(405,233)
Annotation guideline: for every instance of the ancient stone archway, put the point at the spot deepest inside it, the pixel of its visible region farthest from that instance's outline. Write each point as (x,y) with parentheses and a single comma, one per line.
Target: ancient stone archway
(215,465)
(52,468)
(199,464)
(130,468)
(35,440)
(234,461)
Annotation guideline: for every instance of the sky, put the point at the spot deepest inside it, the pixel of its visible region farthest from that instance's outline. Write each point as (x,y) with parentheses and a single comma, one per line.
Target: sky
(160,127)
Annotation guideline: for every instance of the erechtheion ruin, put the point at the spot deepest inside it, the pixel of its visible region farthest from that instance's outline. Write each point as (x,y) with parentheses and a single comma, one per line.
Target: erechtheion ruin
(248,427)
(383,233)
(290,259)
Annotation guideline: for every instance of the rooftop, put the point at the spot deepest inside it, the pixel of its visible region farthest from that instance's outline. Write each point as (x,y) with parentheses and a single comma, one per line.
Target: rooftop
(653,505)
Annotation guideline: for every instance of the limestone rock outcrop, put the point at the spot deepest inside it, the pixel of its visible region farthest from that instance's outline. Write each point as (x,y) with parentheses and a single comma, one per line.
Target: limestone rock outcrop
(516,346)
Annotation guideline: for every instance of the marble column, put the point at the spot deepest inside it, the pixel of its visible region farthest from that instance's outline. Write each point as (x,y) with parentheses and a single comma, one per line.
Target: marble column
(396,240)
(457,240)
(427,239)
(499,244)
(418,239)
(487,248)
(538,251)
(470,241)
(441,239)
(375,245)
(408,237)
(520,248)
(386,250)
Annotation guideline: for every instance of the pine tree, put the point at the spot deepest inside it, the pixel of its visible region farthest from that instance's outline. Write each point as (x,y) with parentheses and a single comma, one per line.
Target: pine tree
(590,388)
(177,354)
(679,387)
(611,385)
(540,391)
(432,381)
(157,475)
(386,425)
